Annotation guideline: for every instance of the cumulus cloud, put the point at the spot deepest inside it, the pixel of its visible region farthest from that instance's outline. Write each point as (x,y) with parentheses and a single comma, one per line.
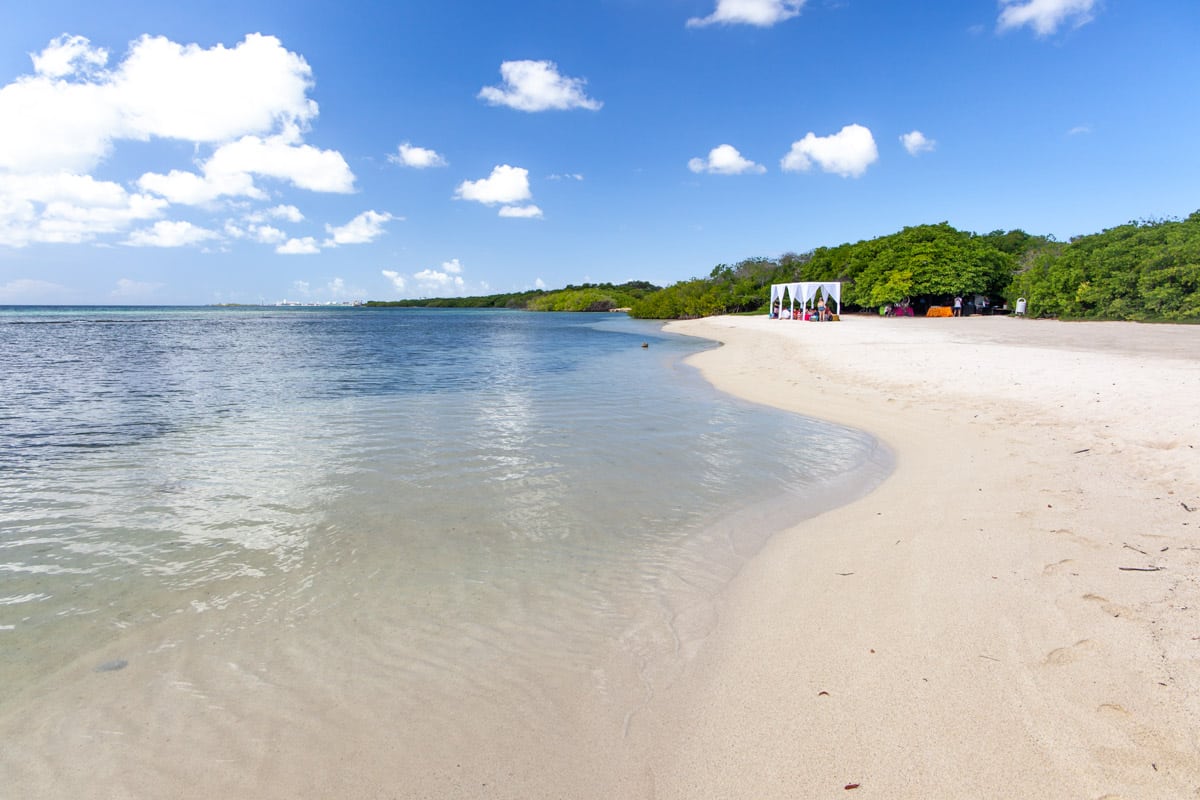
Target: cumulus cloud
(1044,16)
(762,13)
(916,143)
(66,208)
(725,160)
(444,279)
(438,281)
(170,234)
(847,153)
(396,279)
(366,227)
(408,155)
(537,86)
(521,212)
(246,105)
(305,246)
(507,185)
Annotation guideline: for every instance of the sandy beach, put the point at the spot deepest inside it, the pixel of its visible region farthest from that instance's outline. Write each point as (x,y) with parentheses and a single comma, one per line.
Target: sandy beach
(1013,613)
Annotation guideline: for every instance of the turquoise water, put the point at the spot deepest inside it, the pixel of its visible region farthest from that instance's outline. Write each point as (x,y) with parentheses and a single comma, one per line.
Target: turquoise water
(460,498)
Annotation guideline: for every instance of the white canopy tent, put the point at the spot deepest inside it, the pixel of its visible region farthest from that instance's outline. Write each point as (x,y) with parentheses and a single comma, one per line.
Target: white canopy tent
(806,292)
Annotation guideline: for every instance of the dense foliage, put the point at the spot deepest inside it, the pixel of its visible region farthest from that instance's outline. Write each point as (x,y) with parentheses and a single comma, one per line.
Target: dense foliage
(1138,271)
(586,297)
(934,261)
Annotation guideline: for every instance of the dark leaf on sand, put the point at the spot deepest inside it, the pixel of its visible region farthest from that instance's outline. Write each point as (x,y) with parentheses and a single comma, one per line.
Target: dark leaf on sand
(850,786)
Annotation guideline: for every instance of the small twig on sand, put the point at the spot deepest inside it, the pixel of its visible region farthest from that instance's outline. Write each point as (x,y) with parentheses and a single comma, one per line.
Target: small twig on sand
(1186,507)
(844,574)
(989,658)
(1141,569)
(1134,549)
(1084,450)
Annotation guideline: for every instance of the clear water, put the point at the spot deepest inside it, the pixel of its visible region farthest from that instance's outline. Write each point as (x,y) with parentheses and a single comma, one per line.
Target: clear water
(461,499)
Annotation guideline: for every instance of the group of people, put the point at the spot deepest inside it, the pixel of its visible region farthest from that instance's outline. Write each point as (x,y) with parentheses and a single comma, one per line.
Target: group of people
(822,313)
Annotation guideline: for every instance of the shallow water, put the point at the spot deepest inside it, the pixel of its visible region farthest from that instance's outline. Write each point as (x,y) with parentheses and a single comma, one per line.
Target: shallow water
(475,514)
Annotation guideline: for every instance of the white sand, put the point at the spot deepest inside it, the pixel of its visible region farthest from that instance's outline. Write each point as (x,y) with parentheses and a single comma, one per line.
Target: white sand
(970,620)
(965,631)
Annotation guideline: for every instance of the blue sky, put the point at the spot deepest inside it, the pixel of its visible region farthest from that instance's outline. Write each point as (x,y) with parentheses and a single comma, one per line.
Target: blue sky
(195,153)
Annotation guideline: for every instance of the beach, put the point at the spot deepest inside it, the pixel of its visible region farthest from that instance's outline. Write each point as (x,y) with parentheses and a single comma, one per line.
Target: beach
(1013,613)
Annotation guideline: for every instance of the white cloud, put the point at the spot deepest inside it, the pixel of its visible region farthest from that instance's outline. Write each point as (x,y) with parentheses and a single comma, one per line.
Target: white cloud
(170,234)
(847,153)
(267,234)
(61,122)
(231,170)
(725,160)
(448,278)
(417,157)
(67,208)
(916,143)
(23,290)
(569,176)
(289,213)
(68,114)
(433,280)
(298,247)
(1079,130)
(282,157)
(366,227)
(505,185)
(128,289)
(763,13)
(396,278)
(1044,16)
(537,86)
(539,284)
(521,212)
(69,54)
(188,188)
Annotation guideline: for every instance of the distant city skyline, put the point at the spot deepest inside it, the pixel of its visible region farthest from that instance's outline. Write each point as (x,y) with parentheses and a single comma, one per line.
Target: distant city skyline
(260,152)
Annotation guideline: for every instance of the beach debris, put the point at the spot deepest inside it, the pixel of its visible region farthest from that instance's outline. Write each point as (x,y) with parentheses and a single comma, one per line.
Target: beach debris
(1084,450)
(850,786)
(112,666)
(1141,569)
(822,694)
(1186,507)
(1134,549)
(843,574)
(989,658)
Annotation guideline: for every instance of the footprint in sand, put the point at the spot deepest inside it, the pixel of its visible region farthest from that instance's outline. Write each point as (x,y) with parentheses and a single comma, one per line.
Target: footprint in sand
(1066,655)
(1057,568)
(1112,609)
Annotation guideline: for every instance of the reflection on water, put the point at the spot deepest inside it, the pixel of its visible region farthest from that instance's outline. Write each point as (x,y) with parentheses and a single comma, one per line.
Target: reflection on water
(450,497)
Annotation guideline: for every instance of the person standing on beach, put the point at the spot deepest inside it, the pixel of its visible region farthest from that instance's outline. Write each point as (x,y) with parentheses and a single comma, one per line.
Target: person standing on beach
(958,305)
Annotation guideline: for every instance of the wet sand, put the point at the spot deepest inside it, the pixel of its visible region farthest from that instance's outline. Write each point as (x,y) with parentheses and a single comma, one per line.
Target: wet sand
(1012,614)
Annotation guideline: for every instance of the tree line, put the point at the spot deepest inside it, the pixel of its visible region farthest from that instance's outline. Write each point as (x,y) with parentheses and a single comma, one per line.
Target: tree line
(1147,270)
(1144,270)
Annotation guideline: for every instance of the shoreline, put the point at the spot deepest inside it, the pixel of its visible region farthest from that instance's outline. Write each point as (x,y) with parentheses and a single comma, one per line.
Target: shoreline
(988,621)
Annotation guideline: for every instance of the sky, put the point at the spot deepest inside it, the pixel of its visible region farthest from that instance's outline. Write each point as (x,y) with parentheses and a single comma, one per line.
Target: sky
(260,151)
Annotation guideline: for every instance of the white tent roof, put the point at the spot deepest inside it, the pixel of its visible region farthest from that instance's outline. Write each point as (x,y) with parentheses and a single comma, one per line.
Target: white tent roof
(806,291)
